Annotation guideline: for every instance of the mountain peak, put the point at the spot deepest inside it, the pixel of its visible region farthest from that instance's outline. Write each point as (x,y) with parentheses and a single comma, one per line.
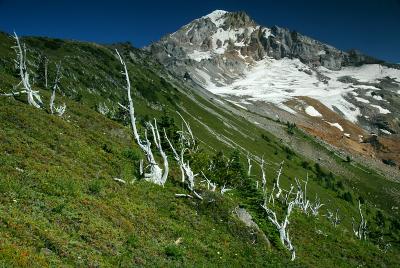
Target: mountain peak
(216,14)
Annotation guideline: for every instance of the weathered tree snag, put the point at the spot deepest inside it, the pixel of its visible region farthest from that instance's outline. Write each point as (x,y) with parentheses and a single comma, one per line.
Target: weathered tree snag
(361,231)
(278,194)
(282,226)
(33,96)
(249,165)
(59,110)
(155,174)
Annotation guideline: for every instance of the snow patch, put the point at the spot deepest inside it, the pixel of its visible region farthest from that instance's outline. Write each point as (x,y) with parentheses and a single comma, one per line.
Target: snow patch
(337,125)
(199,55)
(216,16)
(361,100)
(237,104)
(267,32)
(347,135)
(379,98)
(311,111)
(385,131)
(381,110)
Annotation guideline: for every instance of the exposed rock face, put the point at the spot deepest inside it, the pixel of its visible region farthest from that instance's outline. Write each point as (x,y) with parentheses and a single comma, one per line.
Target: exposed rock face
(246,218)
(235,35)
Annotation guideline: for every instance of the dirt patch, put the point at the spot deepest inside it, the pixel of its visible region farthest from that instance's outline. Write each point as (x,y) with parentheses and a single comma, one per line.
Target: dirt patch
(343,134)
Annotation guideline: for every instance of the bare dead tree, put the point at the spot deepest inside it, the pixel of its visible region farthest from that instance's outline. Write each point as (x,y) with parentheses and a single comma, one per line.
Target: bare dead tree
(249,165)
(333,217)
(360,231)
(282,226)
(155,174)
(301,196)
(157,142)
(278,194)
(188,175)
(186,135)
(263,177)
(314,207)
(212,186)
(33,96)
(46,62)
(59,110)
(224,189)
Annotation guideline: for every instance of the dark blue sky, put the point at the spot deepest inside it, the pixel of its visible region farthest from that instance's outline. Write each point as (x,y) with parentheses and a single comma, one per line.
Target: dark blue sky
(370,26)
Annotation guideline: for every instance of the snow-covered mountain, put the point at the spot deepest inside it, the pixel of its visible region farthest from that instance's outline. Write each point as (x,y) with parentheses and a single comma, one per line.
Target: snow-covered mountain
(229,54)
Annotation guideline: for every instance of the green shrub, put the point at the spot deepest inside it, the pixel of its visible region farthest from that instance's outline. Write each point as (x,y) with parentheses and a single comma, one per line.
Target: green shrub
(173,251)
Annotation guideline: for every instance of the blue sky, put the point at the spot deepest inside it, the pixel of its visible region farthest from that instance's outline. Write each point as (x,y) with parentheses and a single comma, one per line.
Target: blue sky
(370,26)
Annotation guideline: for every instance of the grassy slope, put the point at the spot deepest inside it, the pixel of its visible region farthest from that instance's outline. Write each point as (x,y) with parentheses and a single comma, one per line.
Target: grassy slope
(65,199)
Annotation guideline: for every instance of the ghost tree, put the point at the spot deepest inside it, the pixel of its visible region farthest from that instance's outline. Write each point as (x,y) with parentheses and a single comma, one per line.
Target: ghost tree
(33,95)
(212,186)
(59,110)
(333,217)
(249,165)
(314,207)
(282,226)
(155,174)
(361,231)
(278,194)
(263,177)
(186,143)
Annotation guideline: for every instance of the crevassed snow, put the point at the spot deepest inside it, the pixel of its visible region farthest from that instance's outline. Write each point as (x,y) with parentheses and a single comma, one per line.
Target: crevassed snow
(311,111)
(381,110)
(278,81)
(367,73)
(337,125)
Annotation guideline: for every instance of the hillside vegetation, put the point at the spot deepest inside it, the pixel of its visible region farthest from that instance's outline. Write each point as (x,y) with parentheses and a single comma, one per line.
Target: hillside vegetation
(60,204)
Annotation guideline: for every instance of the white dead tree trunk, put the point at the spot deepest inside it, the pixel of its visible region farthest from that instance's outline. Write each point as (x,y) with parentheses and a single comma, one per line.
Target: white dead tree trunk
(333,218)
(278,194)
(33,96)
(186,171)
(301,196)
(186,136)
(157,142)
(224,190)
(361,231)
(155,173)
(282,226)
(59,110)
(314,207)
(212,186)
(249,165)
(263,177)
(46,62)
